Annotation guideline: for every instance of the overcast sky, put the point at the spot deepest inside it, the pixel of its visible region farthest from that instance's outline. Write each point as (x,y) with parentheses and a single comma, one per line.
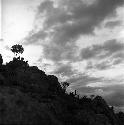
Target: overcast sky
(81,41)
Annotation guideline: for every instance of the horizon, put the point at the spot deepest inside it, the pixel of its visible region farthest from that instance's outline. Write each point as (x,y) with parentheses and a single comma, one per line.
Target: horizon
(79,41)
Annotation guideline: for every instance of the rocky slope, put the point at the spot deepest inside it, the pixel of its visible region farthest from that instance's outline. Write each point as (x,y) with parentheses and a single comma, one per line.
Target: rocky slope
(29,96)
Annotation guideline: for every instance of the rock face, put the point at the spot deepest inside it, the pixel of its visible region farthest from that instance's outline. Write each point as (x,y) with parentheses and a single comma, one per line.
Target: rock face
(29,96)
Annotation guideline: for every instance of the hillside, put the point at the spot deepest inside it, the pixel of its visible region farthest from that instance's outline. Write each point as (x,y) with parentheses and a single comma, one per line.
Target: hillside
(29,96)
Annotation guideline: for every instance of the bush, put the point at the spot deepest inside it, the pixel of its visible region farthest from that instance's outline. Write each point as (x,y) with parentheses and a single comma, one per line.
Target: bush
(16,63)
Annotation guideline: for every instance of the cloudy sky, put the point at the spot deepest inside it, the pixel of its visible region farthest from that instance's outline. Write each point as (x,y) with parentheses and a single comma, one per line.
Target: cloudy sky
(81,41)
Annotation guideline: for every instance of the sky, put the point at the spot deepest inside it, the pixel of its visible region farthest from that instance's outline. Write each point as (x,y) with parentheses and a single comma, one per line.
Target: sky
(79,41)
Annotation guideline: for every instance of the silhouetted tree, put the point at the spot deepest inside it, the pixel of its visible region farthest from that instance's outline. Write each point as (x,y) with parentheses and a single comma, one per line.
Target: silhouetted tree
(92,96)
(16,49)
(1,59)
(64,85)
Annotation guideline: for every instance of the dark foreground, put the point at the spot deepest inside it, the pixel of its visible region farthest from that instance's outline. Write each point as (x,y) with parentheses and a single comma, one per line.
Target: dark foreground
(29,96)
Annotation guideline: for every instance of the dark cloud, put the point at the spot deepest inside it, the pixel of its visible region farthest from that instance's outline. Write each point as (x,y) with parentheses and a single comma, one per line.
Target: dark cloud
(103,66)
(119,58)
(116,98)
(109,48)
(89,65)
(84,18)
(86,90)
(113,46)
(99,65)
(64,70)
(81,80)
(108,63)
(58,53)
(106,56)
(119,55)
(118,61)
(69,20)
(112,24)
(35,37)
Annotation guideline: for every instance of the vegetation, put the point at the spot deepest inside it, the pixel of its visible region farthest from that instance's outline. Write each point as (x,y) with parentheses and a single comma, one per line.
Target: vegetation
(1,59)
(64,85)
(16,49)
(29,96)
